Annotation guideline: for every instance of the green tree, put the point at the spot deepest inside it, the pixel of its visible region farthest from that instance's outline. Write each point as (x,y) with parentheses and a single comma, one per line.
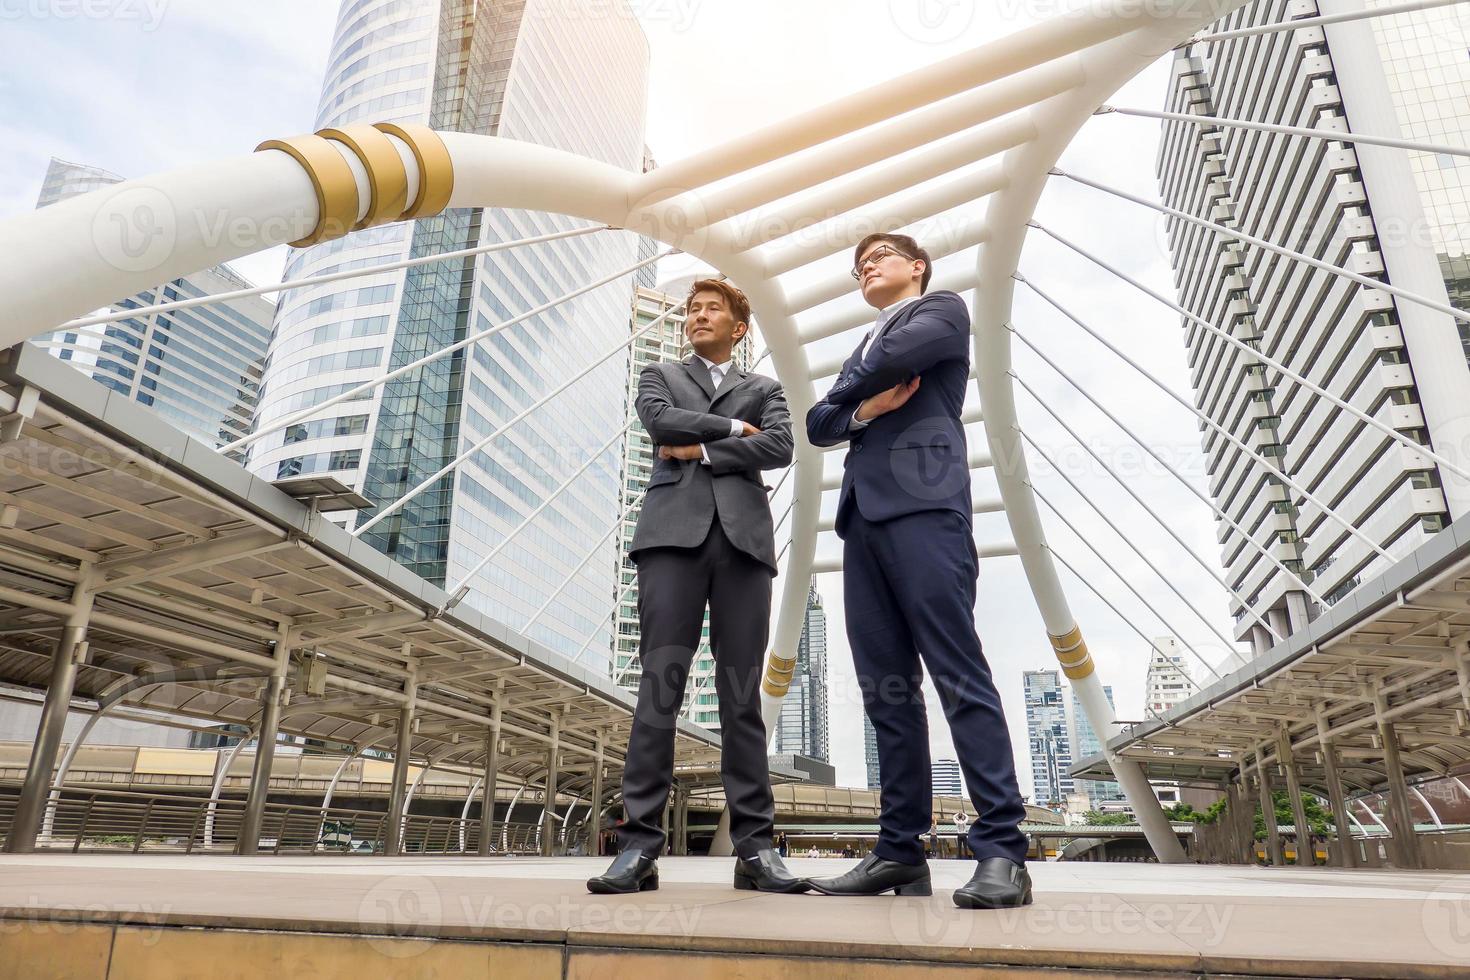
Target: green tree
(1318,818)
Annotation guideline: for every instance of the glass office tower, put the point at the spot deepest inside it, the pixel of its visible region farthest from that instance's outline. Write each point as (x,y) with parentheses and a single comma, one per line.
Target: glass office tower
(199,368)
(571,74)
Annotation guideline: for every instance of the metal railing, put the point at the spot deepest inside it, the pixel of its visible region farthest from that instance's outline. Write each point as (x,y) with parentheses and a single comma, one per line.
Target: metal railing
(119,821)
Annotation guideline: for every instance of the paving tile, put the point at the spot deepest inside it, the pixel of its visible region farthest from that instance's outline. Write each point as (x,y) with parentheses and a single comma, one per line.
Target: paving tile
(33,949)
(179,954)
(1367,936)
(615,964)
(1122,918)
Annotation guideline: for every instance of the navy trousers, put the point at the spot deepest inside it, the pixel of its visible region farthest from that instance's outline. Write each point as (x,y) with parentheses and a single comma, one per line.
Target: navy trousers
(909,591)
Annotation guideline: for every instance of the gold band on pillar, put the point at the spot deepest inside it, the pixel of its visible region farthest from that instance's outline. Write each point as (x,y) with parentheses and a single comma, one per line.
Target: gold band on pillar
(779,671)
(436,168)
(387,174)
(1072,654)
(331,178)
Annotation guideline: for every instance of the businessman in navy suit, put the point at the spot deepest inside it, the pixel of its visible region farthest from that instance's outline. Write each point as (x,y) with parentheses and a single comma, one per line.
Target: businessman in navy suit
(909,571)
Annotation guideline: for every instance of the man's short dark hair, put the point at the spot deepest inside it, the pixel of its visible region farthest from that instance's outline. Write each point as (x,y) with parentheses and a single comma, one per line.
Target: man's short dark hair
(733,297)
(901,243)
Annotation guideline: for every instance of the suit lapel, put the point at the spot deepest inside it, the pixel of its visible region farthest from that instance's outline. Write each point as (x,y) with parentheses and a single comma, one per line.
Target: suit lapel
(734,378)
(697,371)
(898,318)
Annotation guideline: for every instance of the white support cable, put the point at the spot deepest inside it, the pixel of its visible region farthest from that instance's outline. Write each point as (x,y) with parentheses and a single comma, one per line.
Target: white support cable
(522,414)
(282,287)
(1264,358)
(1220,229)
(1086,543)
(461,589)
(1158,519)
(378,382)
(1229,643)
(576,571)
(1294,25)
(1325,134)
(1306,494)
(1204,498)
(1107,602)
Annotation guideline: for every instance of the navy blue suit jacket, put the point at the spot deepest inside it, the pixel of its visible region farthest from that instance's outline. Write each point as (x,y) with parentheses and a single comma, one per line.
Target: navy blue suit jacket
(913,459)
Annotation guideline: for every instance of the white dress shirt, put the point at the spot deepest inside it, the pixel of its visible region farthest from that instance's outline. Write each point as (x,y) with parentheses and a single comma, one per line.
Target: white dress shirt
(717,374)
(885,317)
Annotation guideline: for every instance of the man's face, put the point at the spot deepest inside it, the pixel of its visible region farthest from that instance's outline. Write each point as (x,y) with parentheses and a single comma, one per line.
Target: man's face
(710,325)
(885,272)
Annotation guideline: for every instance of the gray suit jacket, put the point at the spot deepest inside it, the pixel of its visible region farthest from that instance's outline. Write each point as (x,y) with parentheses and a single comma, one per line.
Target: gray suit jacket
(679,406)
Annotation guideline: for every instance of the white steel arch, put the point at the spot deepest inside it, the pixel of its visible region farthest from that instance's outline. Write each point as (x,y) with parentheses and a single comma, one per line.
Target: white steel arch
(1016,102)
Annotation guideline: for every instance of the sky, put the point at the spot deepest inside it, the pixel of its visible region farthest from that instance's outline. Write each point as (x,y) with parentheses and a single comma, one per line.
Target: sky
(142,86)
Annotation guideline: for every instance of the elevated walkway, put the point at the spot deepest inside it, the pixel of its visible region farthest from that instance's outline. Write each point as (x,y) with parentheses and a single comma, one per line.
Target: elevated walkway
(162,917)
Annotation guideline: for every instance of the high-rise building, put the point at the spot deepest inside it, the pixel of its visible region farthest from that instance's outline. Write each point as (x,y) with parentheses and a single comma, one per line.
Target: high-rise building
(1050,738)
(802,725)
(1085,743)
(664,343)
(870,751)
(1398,216)
(1168,682)
(945,777)
(570,74)
(198,368)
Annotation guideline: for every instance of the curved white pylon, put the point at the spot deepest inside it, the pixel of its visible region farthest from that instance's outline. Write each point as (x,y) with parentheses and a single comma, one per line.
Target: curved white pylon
(1033,89)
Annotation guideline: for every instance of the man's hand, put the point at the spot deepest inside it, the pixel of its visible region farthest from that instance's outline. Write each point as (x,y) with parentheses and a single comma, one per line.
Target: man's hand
(891,400)
(679,452)
(750,430)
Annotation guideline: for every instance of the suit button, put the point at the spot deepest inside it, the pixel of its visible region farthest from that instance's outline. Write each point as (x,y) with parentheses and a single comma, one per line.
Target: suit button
(857,447)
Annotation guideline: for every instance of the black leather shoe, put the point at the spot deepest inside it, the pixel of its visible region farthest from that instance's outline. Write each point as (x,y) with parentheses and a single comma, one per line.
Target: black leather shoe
(874,876)
(632,871)
(766,872)
(998,883)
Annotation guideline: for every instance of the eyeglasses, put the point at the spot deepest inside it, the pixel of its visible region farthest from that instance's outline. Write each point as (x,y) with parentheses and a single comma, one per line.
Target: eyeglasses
(875,256)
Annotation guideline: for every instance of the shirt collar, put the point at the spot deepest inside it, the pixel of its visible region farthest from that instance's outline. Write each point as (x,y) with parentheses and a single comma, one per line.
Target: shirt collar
(710,365)
(889,312)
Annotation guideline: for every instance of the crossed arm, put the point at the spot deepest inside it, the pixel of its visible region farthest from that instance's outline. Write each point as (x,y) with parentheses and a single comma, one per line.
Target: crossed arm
(669,425)
(769,449)
(888,374)
(766,448)
(938,332)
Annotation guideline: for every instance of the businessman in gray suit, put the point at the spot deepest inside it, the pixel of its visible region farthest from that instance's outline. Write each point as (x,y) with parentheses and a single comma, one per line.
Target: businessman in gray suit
(705,538)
